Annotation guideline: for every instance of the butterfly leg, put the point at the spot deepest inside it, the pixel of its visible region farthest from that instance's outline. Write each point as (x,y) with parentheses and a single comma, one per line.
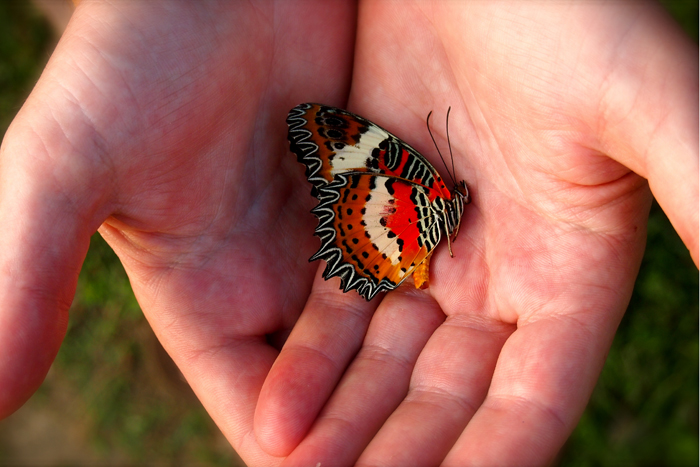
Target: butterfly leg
(449,239)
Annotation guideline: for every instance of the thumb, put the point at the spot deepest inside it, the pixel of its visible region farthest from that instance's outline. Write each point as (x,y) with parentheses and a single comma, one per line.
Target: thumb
(50,204)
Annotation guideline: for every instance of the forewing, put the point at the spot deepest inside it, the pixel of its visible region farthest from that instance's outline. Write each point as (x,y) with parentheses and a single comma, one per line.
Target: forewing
(375,230)
(331,141)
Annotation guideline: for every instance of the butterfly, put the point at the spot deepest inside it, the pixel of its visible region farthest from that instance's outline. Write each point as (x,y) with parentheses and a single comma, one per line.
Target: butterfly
(383,208)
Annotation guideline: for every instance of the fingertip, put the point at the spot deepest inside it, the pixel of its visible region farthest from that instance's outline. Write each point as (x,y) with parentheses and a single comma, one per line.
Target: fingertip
(29,342)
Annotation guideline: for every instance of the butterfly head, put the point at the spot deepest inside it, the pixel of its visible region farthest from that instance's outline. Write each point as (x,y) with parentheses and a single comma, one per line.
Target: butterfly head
(461,191)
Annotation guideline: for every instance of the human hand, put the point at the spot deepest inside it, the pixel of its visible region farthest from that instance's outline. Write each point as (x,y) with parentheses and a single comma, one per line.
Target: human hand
(560,113)
(163,124)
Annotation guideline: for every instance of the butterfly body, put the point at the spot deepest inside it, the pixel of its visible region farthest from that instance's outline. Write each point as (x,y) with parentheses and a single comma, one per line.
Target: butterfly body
(382,207)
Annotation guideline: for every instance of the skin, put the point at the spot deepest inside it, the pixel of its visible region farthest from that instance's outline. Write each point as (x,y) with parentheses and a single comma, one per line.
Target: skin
(161,125)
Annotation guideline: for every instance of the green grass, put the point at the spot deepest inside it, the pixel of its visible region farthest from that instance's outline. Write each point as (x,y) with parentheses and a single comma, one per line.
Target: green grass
(25,41)
(133,405)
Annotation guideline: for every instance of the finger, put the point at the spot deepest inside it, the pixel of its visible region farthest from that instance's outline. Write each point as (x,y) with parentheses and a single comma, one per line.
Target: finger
(542,382)
(50,204)
(322,343)
(374,384)
(649,115)
(450,381)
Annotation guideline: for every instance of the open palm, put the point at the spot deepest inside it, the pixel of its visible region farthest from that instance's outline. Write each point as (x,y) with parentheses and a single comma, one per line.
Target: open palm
(163,125)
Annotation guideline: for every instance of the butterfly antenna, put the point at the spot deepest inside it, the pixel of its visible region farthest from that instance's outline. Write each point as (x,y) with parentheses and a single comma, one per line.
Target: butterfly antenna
(453,175)
(427,122)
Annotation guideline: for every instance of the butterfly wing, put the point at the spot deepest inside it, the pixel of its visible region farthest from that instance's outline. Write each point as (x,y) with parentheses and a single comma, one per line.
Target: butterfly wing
(375,230)
(331,141)
(379,198)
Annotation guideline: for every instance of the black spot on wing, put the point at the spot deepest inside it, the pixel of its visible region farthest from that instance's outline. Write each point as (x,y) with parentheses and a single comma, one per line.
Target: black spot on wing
(390,186)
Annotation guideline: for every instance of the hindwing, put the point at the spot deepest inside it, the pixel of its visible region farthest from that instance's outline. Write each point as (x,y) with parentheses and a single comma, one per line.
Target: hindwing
(375,230)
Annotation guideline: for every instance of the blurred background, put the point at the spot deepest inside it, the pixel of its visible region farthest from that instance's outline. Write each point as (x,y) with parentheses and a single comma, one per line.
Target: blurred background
(114,397)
